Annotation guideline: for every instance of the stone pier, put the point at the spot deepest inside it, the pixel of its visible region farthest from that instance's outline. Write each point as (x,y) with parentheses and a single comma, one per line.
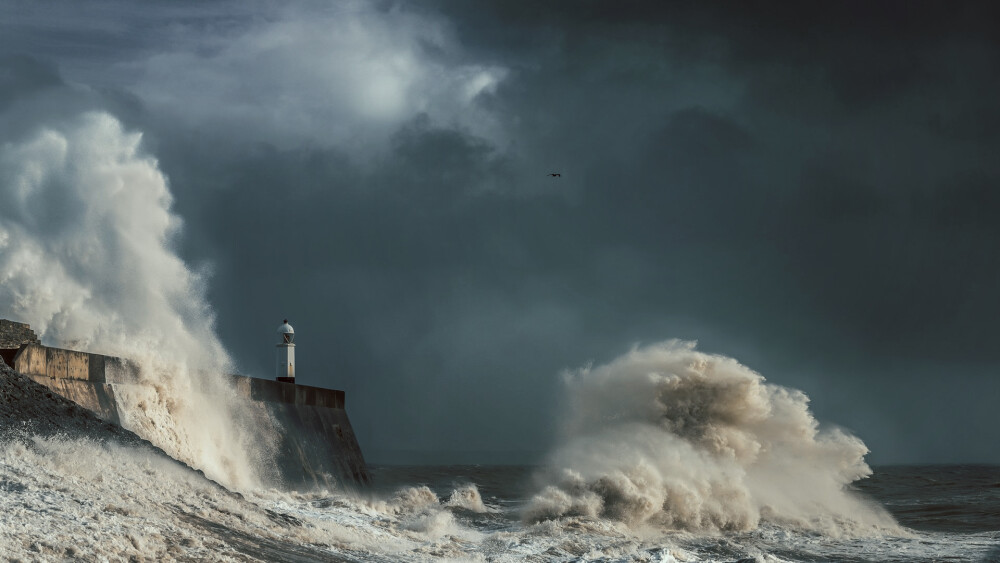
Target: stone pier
(319,448)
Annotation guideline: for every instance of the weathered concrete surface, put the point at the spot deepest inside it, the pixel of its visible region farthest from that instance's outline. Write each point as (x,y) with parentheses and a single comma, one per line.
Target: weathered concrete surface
(32,359)
(318,445)
(311,434)
(98,398)
(280,392)
(29,409)
(55,362)
(35,359)
(317,441)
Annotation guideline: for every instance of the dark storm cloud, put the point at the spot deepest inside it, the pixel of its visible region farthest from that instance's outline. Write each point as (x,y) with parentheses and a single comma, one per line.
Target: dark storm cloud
(410,276)
(827,187)
(848,83)
(807,188)
(21,76)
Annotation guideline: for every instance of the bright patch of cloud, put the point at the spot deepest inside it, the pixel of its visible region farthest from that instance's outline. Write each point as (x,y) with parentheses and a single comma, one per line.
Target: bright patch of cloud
(350,76)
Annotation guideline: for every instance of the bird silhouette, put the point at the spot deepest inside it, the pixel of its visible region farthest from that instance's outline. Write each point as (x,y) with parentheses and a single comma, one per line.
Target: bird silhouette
(556,175)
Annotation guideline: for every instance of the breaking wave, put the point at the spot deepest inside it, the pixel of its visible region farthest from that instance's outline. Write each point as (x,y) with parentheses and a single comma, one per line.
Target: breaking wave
(671,437)
(87,258)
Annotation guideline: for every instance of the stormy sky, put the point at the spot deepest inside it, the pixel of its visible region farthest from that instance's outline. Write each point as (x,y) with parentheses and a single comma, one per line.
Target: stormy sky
(809,188)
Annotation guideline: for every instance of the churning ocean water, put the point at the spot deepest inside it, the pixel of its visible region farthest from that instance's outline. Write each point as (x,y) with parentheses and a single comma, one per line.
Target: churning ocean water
(57,508)
(946,513)
(75,488)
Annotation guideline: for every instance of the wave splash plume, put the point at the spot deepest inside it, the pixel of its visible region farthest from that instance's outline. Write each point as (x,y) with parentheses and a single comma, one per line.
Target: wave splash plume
(87,258)
(671,437)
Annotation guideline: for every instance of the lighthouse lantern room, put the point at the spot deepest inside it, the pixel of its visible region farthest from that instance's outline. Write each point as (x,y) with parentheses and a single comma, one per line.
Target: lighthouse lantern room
(285,363)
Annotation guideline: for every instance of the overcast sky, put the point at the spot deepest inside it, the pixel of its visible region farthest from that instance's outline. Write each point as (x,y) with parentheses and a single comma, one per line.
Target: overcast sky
(811,189)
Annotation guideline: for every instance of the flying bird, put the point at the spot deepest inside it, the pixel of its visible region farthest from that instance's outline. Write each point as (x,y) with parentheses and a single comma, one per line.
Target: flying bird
(556,175)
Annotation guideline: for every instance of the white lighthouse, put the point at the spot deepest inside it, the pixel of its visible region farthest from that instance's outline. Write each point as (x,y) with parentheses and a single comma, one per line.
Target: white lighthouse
(285,362)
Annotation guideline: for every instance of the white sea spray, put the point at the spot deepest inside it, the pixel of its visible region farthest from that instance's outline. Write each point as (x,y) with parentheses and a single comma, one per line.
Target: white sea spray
(87,258)
(672,437)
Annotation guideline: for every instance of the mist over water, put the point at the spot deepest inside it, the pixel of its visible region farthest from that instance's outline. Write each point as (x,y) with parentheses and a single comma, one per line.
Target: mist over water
(675,438)
(86,258)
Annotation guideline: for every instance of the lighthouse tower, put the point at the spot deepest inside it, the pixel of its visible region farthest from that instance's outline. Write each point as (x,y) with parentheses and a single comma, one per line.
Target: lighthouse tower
(285,362)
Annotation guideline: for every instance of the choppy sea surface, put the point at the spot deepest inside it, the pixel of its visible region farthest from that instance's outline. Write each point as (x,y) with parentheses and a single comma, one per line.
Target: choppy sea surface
(948,513)
(79,499)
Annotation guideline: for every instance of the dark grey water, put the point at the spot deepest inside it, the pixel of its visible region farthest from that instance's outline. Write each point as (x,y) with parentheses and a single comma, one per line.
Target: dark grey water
(504,483)
(943,498)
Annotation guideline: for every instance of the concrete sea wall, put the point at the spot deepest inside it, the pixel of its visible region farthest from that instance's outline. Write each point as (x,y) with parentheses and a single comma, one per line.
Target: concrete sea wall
(318,445)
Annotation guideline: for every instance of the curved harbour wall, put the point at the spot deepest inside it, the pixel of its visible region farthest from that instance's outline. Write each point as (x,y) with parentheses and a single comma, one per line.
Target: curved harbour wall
(318,447)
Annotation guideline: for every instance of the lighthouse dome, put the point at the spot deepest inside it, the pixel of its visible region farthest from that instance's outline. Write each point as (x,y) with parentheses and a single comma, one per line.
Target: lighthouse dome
(286,332)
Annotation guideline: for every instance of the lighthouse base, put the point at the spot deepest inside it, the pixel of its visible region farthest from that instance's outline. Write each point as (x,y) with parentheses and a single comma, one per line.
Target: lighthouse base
(285,379)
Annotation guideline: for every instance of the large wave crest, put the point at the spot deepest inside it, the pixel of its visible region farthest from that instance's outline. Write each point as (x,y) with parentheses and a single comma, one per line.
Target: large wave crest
(672,437)
(87,258)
